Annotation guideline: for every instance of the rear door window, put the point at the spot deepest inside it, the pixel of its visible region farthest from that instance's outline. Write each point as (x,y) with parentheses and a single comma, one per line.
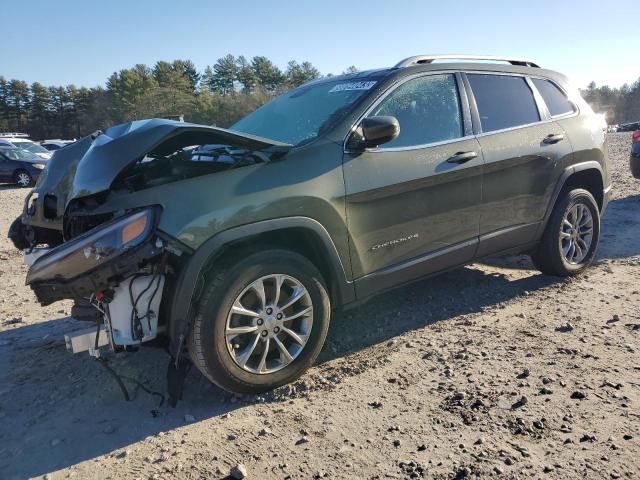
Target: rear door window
(427,108)
(503,101)
(556,100)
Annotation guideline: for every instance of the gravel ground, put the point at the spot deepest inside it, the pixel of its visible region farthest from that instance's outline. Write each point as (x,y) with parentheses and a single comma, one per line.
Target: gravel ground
(488,370)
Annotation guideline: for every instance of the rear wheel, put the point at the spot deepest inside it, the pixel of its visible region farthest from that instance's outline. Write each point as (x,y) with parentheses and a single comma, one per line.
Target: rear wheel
(571,237)
(23,178)
(260,322)
(634,163)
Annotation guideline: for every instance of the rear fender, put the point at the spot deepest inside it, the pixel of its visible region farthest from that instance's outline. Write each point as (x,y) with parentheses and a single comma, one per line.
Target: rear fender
(562,181)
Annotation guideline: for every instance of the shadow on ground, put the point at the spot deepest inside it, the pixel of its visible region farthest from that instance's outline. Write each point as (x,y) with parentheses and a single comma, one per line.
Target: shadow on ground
(69,404)
(58,409)
(620,235)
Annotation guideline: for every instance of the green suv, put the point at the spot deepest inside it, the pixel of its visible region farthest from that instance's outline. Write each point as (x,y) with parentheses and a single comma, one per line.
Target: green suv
(236,244)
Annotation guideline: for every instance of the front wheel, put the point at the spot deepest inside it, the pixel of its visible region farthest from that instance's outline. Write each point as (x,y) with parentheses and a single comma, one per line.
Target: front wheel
(261,322)
(571,236)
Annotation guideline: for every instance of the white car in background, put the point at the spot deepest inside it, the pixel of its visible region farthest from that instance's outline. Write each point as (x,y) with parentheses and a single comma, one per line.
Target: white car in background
(21,140)
(56,144)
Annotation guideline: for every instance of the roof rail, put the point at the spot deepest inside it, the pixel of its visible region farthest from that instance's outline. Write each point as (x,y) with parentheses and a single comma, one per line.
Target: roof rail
(420,59)
(14,134)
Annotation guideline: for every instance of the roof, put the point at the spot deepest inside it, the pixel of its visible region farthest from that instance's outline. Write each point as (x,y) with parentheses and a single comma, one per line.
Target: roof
(419,63)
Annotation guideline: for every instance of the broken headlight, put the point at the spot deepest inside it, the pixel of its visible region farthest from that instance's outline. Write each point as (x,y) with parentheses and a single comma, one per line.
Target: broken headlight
(99,245)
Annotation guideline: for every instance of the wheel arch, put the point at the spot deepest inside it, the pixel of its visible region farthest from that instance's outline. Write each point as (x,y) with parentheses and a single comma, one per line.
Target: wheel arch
(588,175)
(303,235)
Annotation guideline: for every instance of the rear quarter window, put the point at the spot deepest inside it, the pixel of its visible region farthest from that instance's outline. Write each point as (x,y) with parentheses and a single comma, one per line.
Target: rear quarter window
(503,101)
(553,97)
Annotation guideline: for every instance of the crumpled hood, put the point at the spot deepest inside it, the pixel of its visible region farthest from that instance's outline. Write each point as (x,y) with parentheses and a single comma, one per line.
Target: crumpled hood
(90,165)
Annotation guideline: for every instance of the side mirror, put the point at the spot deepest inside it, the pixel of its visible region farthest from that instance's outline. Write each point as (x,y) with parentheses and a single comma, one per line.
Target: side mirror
(374,131)
(379,130)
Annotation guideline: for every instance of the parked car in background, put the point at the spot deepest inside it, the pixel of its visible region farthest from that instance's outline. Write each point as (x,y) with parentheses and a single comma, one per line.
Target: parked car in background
(19,166)
(629,127)
(21,140)
(634,159)
(57,144)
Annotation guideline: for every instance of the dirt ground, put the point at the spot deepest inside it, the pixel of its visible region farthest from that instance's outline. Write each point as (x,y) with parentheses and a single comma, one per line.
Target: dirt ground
(488,370)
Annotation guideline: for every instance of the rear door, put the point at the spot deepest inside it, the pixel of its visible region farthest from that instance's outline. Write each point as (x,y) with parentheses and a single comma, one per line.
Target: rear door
(522,147)
(412,204)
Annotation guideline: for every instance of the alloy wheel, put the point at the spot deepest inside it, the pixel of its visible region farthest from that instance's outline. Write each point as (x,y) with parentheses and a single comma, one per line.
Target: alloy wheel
(576,233)
(24,180)
(269,324)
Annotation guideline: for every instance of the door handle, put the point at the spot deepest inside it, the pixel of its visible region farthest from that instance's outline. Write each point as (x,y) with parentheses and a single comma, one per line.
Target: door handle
(553,138)
(462,157)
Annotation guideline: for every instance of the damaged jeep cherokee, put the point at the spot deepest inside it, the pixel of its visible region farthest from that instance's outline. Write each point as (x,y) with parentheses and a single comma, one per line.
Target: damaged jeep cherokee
(236,244)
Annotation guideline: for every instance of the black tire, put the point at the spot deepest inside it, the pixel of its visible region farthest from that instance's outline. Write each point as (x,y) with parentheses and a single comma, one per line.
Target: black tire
(548,257)
(207,342)
(634,164)
(17,178)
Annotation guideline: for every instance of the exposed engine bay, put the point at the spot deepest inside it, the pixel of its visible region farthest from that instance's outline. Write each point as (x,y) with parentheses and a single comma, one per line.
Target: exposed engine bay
(161,166)
(84,240)
(144,154)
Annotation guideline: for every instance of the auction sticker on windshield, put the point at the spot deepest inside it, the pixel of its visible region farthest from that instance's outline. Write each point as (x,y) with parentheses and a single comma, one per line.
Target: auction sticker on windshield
(343,87)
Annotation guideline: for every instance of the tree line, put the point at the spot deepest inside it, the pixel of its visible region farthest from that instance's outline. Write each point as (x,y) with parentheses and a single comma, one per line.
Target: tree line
(219,95)
(618,104)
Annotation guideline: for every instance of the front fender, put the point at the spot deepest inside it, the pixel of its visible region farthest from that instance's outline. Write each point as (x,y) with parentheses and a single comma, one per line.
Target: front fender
(190,280)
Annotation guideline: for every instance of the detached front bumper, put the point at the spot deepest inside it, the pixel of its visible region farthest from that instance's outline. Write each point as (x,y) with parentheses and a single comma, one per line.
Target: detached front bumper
(97,260)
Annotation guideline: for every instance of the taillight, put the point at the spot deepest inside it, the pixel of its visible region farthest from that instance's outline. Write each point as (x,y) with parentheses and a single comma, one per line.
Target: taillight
(635,137)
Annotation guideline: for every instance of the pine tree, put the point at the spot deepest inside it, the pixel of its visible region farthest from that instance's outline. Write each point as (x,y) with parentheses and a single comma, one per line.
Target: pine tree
(268,75)
(189,70)
(298,74)
(246,76)
(127,87)
(225,74)
(18,103)
(39,107)
(4,105)
(351,69)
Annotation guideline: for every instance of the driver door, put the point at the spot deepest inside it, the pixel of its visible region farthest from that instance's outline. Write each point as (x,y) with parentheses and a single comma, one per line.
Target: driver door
(413,203)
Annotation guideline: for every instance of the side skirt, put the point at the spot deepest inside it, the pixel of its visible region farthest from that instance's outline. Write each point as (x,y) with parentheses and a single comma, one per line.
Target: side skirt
(415,269)
(513,240)
(507,239)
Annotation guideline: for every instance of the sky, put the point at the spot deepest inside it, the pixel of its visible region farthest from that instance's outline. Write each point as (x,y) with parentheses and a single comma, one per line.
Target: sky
(82,43)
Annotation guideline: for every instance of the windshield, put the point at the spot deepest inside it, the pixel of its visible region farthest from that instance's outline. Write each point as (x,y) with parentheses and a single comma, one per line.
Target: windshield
(30,146)
(303,114)
(17,154)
